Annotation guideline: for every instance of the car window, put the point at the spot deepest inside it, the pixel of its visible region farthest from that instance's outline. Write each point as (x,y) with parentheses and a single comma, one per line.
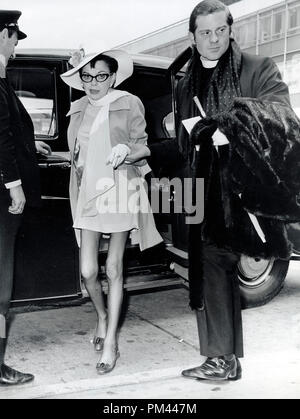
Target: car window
(35,87)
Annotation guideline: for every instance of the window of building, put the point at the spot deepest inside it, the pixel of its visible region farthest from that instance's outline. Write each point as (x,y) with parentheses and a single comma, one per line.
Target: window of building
(265,27)
(271,25)
(278,23)
(245,32)
(294,20)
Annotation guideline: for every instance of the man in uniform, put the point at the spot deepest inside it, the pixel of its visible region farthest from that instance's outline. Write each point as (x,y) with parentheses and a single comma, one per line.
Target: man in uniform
(19,178)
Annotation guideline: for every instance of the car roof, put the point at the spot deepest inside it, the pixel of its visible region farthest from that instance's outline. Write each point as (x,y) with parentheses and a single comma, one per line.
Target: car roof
(138,59)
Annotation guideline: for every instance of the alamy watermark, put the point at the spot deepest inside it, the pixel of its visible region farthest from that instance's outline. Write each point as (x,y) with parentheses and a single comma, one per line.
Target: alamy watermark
(164,195)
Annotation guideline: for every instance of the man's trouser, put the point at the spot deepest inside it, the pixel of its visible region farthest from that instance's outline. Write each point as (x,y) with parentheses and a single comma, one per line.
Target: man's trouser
(9,226)
(220,321)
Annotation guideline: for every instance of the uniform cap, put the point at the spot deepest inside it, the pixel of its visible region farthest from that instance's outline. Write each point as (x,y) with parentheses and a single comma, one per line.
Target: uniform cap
(9,19)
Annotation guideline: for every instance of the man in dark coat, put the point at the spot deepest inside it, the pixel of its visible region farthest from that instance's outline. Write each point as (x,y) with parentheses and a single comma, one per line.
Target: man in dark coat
(19,178)
(218,76)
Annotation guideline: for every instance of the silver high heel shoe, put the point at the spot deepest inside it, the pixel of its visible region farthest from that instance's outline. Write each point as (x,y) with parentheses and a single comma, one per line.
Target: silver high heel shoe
(103,368)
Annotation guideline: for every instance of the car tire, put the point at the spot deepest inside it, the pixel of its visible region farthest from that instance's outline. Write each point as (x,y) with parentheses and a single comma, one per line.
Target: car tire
(260,280)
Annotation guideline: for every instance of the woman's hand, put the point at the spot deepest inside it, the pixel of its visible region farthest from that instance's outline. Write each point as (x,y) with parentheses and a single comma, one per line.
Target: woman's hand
(118,155)
(43,148)
(137,152)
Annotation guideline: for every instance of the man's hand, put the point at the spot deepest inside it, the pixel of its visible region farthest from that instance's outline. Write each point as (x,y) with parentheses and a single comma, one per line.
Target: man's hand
(17,200)
(43,148)
(137,152)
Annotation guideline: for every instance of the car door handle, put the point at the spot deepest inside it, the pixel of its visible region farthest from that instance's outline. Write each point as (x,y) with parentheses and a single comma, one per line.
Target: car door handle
(54,160)
(61,165)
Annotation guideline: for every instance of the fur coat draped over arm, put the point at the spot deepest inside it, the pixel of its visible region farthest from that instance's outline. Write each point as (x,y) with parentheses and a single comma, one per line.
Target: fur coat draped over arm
(260,173)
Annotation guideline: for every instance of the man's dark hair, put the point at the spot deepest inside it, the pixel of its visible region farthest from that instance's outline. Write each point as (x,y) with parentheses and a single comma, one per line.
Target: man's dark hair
(207,7)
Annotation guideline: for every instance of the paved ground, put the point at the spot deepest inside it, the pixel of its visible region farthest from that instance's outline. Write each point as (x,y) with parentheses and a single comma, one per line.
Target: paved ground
(158,339)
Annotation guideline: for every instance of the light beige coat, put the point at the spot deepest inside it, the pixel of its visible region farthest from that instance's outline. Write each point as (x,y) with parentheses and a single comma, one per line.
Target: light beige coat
(127,125)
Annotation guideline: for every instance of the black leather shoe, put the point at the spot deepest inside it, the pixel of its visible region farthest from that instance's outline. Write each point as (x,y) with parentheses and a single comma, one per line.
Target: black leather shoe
(216,369)
(238,375)
(9,376)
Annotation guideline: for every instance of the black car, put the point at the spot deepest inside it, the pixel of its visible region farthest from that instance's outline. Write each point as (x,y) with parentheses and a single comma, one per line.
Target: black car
(47,259)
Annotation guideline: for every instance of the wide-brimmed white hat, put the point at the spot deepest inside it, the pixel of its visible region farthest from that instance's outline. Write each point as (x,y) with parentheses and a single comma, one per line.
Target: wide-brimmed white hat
(125,68)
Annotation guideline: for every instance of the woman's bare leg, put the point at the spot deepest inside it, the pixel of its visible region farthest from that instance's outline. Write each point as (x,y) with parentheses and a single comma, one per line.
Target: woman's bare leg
(114,273)
(89,271)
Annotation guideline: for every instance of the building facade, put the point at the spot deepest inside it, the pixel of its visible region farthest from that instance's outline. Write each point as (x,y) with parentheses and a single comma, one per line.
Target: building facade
(264,27)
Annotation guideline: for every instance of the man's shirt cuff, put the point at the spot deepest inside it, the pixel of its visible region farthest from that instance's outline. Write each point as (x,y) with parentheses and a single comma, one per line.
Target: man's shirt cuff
(13,184)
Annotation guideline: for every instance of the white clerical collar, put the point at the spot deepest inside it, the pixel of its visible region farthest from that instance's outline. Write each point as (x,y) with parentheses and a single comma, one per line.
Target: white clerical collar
(208,63)
(2,60)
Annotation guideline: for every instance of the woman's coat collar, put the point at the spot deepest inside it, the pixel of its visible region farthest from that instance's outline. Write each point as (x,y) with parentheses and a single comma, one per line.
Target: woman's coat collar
(81,104)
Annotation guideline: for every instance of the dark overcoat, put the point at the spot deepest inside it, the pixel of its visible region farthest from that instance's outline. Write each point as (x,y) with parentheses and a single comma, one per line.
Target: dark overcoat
(17,149)
(261,79)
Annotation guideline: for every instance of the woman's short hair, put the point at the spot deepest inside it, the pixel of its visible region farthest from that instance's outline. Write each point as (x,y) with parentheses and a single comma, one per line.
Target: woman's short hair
(207,7)
(111,63)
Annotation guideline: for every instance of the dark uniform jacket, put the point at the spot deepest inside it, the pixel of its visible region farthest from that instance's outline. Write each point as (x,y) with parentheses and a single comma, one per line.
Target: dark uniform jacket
(17,148)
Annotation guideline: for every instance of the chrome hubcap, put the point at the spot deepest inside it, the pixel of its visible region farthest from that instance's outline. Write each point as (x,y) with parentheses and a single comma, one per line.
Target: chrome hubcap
(253,272)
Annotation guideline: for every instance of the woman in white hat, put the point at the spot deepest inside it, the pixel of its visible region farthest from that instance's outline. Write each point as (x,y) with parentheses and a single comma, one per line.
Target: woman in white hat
(107,196)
